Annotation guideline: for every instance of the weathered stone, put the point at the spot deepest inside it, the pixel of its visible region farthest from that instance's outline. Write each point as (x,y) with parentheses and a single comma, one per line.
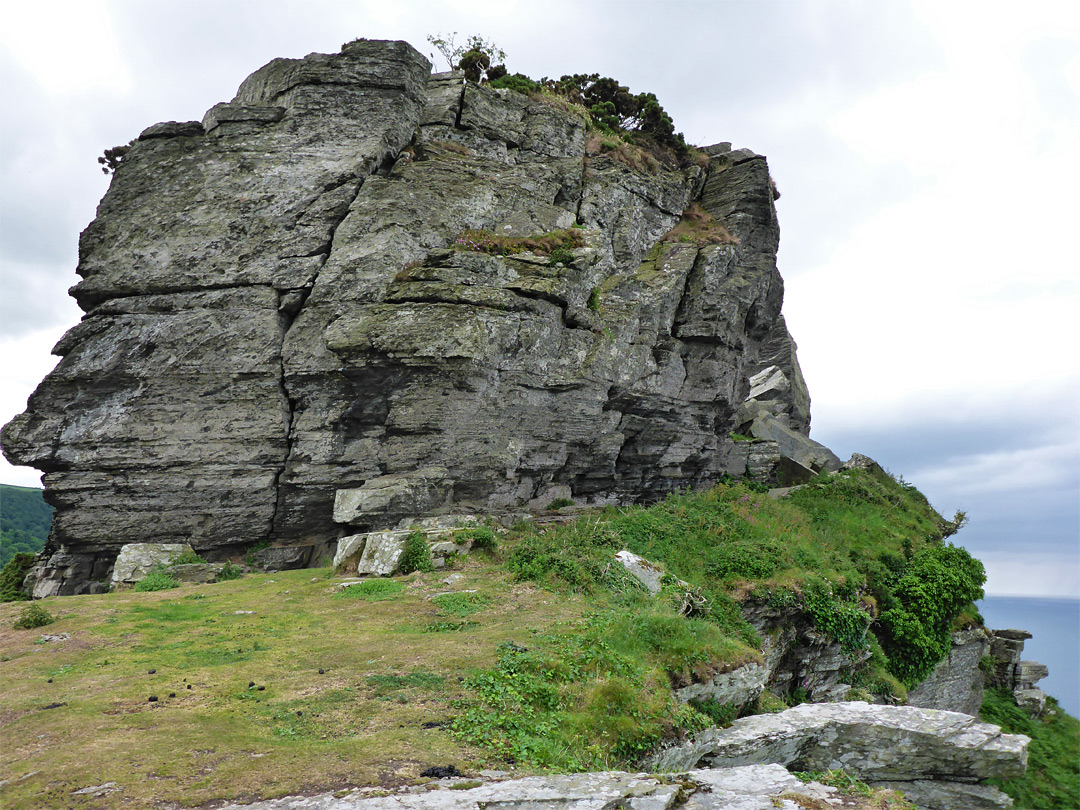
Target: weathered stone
(956,684)
(879,743)
(348,553)
(136,560)
(381,554)
(1006,647)
(649,574)
(281,558)
(928,795)
(758,787)
(796,656)
(281,333)
(196,572)
(738,687)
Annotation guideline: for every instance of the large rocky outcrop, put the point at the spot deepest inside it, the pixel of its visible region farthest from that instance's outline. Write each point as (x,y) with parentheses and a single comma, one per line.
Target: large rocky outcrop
(940,755)
(276,312)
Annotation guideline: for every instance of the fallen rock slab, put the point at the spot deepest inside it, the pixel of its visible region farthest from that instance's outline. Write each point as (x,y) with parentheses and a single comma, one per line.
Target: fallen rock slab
(756,787)
(870,742)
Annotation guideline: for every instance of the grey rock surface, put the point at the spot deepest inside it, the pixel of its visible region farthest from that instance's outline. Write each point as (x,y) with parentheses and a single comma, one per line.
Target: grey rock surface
(928,795)
(136,560)
(1010,672)
(956,684)
(870,742)
(738,687)
(649,574)
(276,314)
(758,787)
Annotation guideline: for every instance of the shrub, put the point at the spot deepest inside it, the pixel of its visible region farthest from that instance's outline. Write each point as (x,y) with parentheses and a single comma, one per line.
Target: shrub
(483,538)
(11,578)
(157,580)
(189,557)
(229,571)
(935,585)
(33,615)
(559,503)
(416,556)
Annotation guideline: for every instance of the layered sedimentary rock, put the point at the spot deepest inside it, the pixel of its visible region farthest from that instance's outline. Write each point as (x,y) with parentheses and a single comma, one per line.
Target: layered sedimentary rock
(277,311)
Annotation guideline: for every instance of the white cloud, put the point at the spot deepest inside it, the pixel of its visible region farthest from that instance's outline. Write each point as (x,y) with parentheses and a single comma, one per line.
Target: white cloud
(1033,573)
(1011,472)
(69,46)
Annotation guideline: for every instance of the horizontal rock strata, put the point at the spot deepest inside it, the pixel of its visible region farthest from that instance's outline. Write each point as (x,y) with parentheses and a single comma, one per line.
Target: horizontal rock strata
(278,320)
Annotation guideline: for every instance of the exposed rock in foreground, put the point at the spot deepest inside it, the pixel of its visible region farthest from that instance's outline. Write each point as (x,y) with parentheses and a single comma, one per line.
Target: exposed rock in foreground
(877,744)
(757,787)
(278,317)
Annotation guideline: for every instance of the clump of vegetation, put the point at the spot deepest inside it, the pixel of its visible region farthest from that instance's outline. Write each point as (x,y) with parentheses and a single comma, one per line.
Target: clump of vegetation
(157,580)
(476,56)
(373,590)
(634,118)
(229,571)
(559,503)
(25,519)
(928,594)
(188,557)
(12,576)
(554,243)
(416,555)
(482,537)
(33,615)
(1052,778)
(699,227)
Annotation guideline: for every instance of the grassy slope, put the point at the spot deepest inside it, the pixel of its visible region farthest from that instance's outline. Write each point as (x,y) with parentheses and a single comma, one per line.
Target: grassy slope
(1053,775)
(574,674)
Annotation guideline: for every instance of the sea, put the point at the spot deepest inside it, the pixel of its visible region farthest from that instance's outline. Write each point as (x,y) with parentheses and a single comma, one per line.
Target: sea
(1055,626)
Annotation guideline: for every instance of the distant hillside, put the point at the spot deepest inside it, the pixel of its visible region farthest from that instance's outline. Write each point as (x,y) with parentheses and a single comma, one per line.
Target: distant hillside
(24,521)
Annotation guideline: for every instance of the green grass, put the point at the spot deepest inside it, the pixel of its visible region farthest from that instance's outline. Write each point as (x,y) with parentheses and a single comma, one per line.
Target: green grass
(546,655)
(1052,779)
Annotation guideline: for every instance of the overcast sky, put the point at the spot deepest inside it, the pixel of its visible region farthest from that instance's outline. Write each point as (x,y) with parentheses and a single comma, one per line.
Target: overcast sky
(926,152)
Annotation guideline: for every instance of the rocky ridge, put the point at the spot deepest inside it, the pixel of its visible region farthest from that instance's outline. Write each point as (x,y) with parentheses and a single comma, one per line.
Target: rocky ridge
(285,342)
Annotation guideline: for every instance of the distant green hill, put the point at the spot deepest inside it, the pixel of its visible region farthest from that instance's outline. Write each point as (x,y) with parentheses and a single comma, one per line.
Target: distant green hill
(24,521)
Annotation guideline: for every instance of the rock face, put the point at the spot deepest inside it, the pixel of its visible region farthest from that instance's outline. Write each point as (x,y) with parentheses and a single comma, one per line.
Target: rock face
(877,744)
(759,787)
(956,684)
(1020,677)
(276,312)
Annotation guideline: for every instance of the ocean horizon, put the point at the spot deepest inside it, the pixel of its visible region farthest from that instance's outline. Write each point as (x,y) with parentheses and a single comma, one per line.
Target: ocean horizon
(1054,623)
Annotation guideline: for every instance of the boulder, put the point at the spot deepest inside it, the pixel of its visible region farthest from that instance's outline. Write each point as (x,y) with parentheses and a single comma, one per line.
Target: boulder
(649,574)
(870,742)
(757,787)
(136,560)
(382,552)
(738,687)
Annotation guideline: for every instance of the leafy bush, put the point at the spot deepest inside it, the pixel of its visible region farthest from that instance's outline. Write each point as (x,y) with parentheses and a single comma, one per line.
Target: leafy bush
(416,555)
(157,580)
(33,615)
(482,537)
(188,557)
(229,571)
(935,585)
(11,578)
